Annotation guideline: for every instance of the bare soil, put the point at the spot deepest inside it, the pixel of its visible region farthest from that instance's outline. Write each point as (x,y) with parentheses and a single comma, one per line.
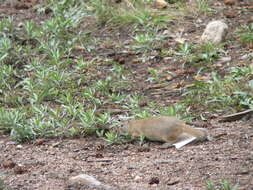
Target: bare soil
(47,164)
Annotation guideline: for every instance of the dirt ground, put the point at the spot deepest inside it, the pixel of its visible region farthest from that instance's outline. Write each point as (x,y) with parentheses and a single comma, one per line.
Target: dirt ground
(48,164)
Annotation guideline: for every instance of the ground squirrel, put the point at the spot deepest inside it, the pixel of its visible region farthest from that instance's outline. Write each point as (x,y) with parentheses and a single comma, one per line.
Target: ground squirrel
(166,129)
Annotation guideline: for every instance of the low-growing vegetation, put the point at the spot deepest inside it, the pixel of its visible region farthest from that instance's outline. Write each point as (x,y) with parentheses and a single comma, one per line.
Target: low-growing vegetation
(86,66)
(223,185)
(50,89)
(48,92)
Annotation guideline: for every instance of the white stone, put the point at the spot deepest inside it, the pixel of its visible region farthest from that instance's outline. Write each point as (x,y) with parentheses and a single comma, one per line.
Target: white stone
(90,181)
(215,32)
(85,179)
(137,178)
(247,56)
(19,146)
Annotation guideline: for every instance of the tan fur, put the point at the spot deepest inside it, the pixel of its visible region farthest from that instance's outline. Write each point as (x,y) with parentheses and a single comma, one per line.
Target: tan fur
(163,129)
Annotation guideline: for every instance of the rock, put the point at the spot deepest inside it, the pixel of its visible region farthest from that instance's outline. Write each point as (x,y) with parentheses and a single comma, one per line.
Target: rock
(173,181)
(90,181)
(85,179)
(160,4)
(247,56)
(215,32)
(137,178)
(20,169)
(154,180)
(229,2)
(19,146)
(223,60)
(11,143)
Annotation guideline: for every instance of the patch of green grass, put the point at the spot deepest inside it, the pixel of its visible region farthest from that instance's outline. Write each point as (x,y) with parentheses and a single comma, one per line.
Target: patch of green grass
(147,41)
(234,91)
(203,7)
(3,186)
(222,185)
(111,137)
(195,7)
(125,12)
(50,89)
(198,55)
(246,34)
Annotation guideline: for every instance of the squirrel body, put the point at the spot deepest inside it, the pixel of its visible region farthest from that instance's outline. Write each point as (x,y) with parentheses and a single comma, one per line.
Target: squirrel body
(164,129)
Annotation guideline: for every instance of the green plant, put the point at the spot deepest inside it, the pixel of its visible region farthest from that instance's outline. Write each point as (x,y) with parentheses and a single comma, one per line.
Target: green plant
(55,82)
(6,77)
(134,101)
(6,27)
(31,30)
(90,95)
(112,137)
(208,52)
(3,186)
(185,53)
(131,11)
(5,48)
(22,133)
(199,55)
(168,111)
(246,34)
(154,73)
(142,114)
(142,139)
(14,121)
(203,7)
(103,119)
(145,42)
(8,119)
(88,121)
(221,93)
(223,185)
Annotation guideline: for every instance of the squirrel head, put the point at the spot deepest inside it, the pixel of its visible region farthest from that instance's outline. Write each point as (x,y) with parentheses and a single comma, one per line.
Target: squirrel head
(204,134)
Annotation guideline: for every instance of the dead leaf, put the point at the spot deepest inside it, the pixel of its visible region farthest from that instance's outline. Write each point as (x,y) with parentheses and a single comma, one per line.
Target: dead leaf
(182,72)
(177,85)
(189,85)
(56,144)
(169,77)
(100,147)
(229,2)
(99,155)
(20,169)
(173,181)
(202,78)
(20,5)
(143,103)
(8,164)
(40,141)
(180,40)
(154,180)
(79,48)
(231,15)
(143,149)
